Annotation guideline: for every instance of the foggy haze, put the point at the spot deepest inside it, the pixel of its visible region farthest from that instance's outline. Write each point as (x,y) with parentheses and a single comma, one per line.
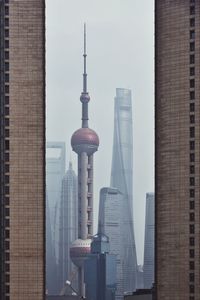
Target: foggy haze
(120,40)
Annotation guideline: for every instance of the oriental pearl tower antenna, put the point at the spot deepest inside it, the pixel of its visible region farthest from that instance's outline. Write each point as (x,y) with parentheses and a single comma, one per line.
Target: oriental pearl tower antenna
(84,142)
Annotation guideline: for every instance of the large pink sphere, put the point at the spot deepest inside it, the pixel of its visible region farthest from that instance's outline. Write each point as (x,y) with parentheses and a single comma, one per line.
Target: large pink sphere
(85,139)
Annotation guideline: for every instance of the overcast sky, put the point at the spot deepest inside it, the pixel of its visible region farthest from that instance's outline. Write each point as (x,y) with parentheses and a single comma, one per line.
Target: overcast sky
(120,40)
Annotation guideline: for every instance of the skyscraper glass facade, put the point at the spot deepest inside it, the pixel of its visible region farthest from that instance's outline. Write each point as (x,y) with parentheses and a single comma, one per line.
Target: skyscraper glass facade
(55,170)
(111,223)
(68,227)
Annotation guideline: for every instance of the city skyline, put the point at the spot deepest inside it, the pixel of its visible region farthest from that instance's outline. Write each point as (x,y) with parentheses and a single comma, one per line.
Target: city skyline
(112,47)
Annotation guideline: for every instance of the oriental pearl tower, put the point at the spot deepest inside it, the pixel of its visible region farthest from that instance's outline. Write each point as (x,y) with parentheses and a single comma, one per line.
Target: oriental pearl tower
(84,142)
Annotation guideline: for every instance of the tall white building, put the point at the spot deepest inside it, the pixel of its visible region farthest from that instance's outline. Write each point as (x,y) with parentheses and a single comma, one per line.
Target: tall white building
(149,241)
(55,170)
(111,200)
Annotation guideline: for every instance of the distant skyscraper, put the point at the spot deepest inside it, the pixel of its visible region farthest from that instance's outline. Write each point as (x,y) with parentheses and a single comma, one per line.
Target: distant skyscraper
(84,142)
(112,220)
(122,178)
(55,170)
(177,140)
(149,242)
(100,270)
(22,148)
(68,229)
(51,267)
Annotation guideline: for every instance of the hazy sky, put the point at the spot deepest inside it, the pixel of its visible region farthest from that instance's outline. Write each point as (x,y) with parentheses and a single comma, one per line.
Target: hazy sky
(120,44)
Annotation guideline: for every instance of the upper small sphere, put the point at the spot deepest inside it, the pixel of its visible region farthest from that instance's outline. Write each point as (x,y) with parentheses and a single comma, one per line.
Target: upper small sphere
(84,98)
(85,140)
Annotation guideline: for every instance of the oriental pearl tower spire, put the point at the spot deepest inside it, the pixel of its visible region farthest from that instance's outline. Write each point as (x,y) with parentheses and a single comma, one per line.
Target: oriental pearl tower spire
(84,142)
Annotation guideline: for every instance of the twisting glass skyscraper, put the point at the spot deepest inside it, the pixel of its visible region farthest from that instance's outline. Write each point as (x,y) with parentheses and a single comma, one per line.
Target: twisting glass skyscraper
(122,178)
(68,228)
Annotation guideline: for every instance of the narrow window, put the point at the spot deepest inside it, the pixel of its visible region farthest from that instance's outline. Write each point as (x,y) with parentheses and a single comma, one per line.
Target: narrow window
(6,10)
(192,34)
(191,253)
(192,107)
(6,122)
(192,46)
(192,71)
(192,181)
(192,95)
(192,119)
(192,205)
(191,217)
(192,229)
(192,22)
(192,157)
(6,43)
(6,55)
(192,193)
(192,59)
(192,132)
(192,10)
(191,265)
(6,22)
(6,66)
(6,33)
(192,83)
(192,145)
(7,89)
(191,288)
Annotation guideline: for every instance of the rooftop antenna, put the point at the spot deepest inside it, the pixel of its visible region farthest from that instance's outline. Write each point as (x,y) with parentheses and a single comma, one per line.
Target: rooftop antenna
(85,98)
(85,56)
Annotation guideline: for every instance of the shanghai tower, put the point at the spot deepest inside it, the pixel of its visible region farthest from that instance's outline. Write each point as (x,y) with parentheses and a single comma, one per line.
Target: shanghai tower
(84,142)
(122,179)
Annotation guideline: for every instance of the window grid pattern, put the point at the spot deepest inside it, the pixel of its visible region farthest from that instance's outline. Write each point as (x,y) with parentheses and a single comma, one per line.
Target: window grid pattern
(191,276)
(4,150)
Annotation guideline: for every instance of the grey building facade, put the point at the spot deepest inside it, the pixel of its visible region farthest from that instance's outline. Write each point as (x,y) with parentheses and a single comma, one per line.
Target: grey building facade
(68,227)
(100,270)
(112,221)
(149,239)
(122,179)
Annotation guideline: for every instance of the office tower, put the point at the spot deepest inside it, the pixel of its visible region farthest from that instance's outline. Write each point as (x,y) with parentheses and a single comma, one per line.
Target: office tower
(149,241)
(68,228)
(100,270)
(122,178)
(177,151)
(84,142)
(22,147)
(111,200)
(55,170)
(51,267)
